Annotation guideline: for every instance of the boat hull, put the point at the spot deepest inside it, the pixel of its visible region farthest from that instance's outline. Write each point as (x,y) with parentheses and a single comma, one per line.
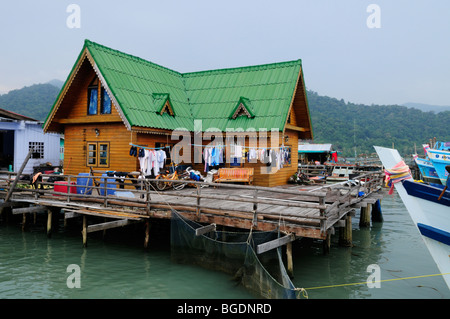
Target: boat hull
(440,159)
(427,170)
(429,216)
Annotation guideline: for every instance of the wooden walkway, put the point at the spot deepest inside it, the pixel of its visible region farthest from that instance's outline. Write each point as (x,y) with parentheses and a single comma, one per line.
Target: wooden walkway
(302,211)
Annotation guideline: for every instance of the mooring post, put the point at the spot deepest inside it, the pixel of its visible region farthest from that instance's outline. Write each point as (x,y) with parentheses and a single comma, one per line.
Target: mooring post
(327,244)
(345,233)
(377,216)
(147,233)
(24,221)
(84,231)
(49,223)
(290,263)
(364,219)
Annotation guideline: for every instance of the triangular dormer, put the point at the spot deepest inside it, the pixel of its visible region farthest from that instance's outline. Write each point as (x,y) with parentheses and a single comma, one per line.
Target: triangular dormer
(242,108)
(163,104)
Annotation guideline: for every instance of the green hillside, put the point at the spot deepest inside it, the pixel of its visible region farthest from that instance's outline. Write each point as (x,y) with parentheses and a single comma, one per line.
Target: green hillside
(347,125)
(34,101)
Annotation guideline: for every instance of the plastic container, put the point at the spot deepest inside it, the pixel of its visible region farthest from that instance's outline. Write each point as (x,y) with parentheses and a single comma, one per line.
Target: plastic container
(61,186)
(84,184)
(110,183)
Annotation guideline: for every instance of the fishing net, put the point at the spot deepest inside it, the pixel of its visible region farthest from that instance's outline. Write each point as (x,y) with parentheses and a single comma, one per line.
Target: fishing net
(264,275)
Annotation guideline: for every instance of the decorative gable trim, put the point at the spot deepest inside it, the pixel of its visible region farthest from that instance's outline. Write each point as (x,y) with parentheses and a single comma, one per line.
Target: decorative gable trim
(163,104)
(242,108)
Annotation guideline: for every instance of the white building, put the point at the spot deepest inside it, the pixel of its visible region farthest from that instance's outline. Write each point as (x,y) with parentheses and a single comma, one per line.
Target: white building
(17,134)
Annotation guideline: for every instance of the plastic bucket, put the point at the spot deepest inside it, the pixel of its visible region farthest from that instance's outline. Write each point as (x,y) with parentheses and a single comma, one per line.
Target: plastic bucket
(110,183)
(84,184)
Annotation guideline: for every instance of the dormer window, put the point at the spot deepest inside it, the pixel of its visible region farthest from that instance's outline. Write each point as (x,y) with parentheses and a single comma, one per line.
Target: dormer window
(242,108)
(163,104)
(96,105)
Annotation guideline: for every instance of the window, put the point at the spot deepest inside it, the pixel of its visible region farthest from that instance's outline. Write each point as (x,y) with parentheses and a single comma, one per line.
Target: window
(94,105)
(97,154)
(105,107)
(38,149)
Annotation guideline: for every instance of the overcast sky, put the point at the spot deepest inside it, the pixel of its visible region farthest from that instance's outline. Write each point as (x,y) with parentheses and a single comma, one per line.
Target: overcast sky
(405,59)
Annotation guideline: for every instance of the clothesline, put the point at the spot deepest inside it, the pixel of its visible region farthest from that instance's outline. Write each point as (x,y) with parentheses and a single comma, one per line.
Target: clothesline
(224,145)
(219,145)
(149,148)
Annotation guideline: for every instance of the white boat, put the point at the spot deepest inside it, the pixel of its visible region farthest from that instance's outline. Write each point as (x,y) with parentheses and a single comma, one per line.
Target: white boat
(430,215)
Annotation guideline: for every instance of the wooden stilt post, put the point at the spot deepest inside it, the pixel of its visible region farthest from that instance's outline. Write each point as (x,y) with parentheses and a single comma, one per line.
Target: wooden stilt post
(290,263)
(84,231)
(147,233)
(377,216)
(364,220)
(345,233)
(24,221)
(327,244)
(49,223)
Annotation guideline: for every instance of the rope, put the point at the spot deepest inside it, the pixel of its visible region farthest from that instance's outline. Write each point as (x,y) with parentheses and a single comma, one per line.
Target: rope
(384,280)
(302,291)
(396,174)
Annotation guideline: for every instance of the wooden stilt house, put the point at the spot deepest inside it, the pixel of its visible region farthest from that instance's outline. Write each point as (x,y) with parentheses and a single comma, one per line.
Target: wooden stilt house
(112,100)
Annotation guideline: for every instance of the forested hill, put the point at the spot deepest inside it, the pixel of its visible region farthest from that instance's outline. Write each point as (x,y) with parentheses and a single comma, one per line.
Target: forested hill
(347,124)
(334,121)
(34,101)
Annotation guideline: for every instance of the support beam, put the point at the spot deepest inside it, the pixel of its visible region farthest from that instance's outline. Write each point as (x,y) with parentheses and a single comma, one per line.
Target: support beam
(290,263)
(49,223)
(108,225)
(84,231)
(326,244)
(364,219)
(377,216)
(147,233)
(205,229)
(345,233)
(30,209)
(262,248)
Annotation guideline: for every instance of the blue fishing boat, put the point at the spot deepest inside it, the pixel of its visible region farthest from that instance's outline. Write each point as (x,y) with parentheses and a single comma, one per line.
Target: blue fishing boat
(427,170)
(428,206)
(440,157)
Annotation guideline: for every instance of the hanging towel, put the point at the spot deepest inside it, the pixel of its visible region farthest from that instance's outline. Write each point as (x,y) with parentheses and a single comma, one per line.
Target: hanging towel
(396,174)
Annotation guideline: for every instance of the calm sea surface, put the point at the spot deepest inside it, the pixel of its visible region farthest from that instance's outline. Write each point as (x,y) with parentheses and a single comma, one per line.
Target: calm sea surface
(116,266)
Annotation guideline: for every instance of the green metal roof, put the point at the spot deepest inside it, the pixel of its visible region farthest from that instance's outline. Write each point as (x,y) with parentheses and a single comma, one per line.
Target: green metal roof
(140,86)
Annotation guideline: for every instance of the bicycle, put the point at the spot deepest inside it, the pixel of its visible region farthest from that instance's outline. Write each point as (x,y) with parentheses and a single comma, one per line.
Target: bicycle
(162,185)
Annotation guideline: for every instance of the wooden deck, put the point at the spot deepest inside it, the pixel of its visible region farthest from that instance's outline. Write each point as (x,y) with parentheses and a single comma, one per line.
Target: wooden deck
(304,211)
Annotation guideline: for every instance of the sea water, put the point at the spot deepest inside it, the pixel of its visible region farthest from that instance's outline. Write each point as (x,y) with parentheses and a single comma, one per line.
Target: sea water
(116,266)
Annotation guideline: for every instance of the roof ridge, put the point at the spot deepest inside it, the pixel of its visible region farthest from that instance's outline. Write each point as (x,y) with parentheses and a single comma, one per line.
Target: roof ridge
(131,56)
(221,70)
(239,68)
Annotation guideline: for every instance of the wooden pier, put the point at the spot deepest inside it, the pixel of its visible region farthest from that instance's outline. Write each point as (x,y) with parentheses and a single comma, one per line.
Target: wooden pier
(297,210)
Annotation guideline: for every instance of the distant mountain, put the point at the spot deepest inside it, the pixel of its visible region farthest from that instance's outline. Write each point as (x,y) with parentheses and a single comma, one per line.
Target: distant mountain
(55,82)
(427,107)
(34,101)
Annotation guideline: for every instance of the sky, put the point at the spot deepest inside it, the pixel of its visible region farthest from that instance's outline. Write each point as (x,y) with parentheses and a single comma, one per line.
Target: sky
(391,53)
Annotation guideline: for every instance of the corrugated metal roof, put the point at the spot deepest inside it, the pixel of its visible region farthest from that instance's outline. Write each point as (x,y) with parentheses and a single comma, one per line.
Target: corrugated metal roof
(207,95)
(314,148)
